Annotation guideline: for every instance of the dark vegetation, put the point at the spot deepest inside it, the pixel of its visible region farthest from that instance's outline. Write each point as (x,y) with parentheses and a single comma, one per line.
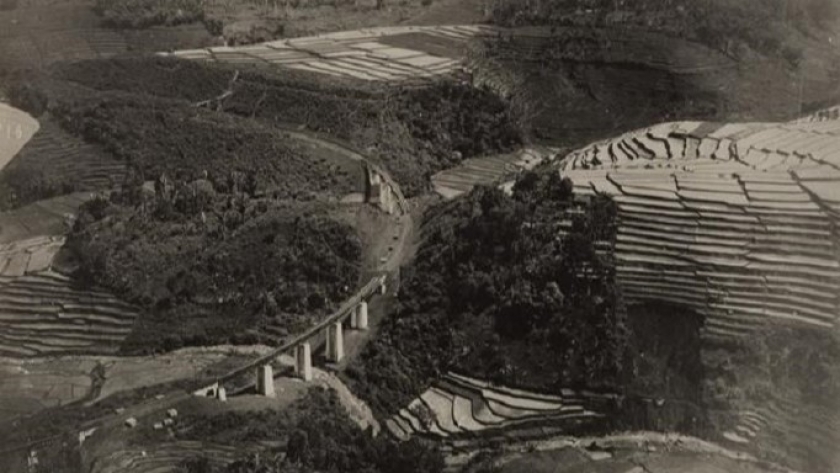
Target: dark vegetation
(765,26)
(495,293)
(599,68)
(791,377)
(221,227)
(318,436)
(214,266)
(146,13)
(415,131)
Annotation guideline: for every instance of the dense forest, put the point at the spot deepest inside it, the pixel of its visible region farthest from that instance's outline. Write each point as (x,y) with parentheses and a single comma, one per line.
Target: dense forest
(496,293)
(318,436)
(413,131)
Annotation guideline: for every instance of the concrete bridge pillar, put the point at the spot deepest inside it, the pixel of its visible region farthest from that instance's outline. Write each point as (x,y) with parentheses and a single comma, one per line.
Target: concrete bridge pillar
(361,314)
(265,380)
(335,342)
(383,288)
(386,200)
(303,361)
(222,394)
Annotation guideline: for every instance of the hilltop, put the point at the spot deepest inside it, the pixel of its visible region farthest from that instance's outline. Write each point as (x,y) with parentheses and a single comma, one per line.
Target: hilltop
(587,70)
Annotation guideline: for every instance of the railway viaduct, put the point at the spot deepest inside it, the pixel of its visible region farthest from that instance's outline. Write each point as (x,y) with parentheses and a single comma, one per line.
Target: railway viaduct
(382,192)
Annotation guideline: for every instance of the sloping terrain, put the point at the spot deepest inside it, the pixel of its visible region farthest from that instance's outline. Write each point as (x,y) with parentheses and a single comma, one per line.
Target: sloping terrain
(737,221)
(54,163)
(457,405)
(43,314)
(587,83)
(40,32)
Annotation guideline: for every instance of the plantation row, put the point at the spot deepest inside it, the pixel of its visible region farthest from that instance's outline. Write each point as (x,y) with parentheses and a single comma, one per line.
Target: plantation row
(55,163)
(43,314)
(487,171)
(167,457)
(697,145)
(362,54)
(458,406)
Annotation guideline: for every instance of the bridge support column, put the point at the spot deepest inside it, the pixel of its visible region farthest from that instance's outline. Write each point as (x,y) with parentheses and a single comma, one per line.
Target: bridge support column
(303,361)
(383,289)
(222,394)
(361,314)
(265,380)
(386,199)
(335,342)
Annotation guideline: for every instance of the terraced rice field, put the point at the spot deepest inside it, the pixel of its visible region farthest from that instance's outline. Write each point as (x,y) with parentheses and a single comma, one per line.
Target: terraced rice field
(811,435)
(16,129)
(68,159)
(737,221)
(487,171)
(43,314)
(366,54)
(166,457)
(458,406)
(28,256)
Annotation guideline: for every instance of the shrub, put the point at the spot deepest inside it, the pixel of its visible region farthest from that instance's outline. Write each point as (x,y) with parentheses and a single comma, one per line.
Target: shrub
(146,13)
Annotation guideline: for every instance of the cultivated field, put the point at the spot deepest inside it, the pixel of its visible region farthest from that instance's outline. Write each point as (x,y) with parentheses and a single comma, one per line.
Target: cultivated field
(46,218)
(458,406)
(165,457)
(376,54)
(487,171)
(27,387)
(43,314)
(62,159)
(736,221)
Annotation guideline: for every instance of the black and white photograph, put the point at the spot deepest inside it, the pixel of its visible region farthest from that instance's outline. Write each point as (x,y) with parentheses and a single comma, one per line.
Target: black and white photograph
(419,236)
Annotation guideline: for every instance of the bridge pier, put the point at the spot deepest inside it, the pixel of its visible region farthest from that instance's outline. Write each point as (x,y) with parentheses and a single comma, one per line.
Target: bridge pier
(361,315)
(265,380)
(335,342)
(303,361)
(222,394)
